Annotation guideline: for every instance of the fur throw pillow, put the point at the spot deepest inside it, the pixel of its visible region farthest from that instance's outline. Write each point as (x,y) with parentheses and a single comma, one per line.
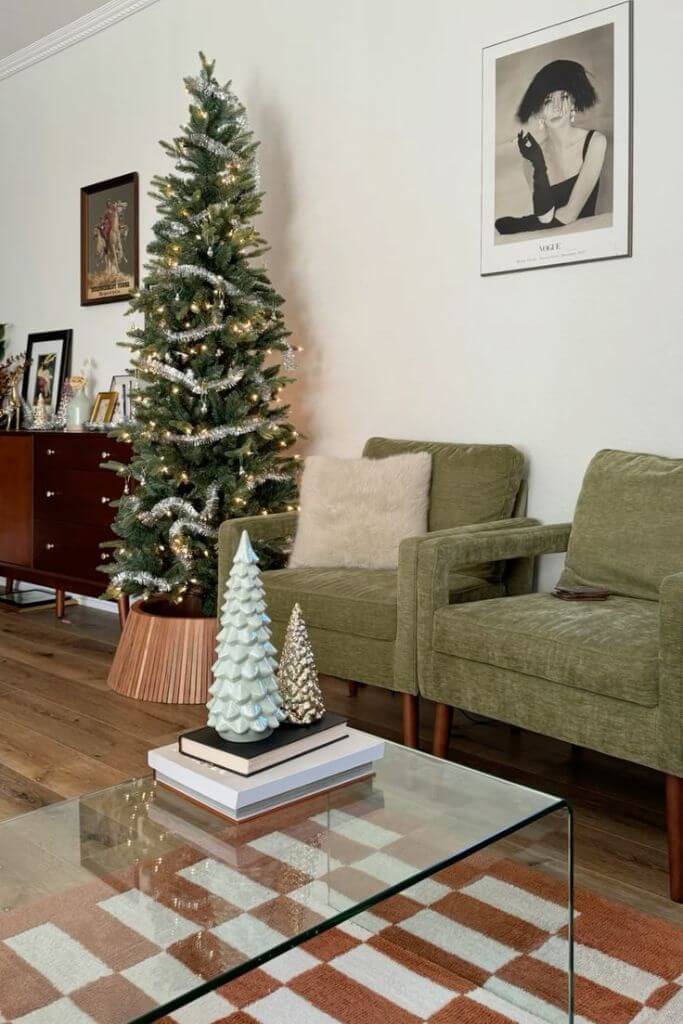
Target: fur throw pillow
(355,512)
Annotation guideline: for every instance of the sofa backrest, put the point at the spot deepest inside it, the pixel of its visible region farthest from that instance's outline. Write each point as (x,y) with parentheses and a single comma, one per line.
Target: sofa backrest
(471,483)
(627,533)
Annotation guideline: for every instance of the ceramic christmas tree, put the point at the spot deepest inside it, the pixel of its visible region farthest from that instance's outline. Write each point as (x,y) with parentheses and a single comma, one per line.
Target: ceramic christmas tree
(245,702)
(302,698)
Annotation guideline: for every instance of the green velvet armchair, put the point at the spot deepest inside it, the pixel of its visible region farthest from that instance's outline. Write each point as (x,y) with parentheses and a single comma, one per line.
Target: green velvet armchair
(607,675)
(362,622)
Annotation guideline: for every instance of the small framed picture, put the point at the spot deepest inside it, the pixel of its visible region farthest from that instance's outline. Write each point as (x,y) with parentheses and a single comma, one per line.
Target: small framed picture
(109,240)
(104,407)
(124,384)
(49,354)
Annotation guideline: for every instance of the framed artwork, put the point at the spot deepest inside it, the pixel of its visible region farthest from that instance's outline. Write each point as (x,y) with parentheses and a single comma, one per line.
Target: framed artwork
(557,144)
(104,406)
(49,353)
(124,384)
(109,240)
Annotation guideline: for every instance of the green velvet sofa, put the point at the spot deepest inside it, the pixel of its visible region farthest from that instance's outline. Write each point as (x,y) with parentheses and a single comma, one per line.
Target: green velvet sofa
(608,675)
(362,622)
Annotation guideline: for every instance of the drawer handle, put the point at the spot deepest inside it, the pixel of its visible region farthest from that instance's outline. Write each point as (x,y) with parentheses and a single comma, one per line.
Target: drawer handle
(106,455)
(105,501)
(104,556)
(50,494)
(49,546)
(51,451)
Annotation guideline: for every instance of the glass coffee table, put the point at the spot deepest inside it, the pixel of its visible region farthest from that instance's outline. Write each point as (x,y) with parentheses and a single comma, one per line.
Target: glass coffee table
(135,900)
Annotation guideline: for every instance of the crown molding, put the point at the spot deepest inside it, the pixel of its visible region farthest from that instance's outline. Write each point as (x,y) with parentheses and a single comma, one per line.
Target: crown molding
(75,32)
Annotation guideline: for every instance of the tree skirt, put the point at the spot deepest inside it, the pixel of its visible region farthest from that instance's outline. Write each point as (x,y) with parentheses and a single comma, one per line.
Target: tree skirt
(480,943)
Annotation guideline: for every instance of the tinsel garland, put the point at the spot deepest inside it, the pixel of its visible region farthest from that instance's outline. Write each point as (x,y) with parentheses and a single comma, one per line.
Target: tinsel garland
(188,270)
(175,504)
(208,89)
(196,333)
(145,579)
(204,141)
(217,433)
(254,480)
(289,358)
(188,379)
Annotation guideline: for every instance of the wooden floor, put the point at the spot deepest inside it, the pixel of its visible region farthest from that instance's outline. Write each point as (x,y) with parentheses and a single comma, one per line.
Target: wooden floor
(64,733)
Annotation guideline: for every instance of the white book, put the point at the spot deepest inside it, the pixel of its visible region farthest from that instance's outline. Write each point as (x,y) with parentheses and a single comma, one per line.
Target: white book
(220,788)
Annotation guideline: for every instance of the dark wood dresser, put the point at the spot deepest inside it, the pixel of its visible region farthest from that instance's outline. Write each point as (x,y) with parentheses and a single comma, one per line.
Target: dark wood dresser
(55,509)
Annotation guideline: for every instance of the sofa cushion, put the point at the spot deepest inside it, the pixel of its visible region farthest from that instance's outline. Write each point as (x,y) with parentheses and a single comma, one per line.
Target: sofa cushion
(355,512)
(359,602)
(627,533)
(611,648)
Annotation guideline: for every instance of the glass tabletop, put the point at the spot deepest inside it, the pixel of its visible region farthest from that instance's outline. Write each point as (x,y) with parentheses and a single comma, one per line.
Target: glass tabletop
(126,880)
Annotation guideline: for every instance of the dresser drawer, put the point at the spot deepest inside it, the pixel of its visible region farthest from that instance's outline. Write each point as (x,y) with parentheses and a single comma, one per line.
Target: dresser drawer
(76,451)
(71,550)
(77,495)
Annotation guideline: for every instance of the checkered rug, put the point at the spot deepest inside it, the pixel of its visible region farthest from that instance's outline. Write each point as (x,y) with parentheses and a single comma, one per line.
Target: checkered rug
(483,942)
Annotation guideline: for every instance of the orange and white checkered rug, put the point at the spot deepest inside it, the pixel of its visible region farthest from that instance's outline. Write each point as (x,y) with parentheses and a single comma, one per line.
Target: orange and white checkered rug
(483,942)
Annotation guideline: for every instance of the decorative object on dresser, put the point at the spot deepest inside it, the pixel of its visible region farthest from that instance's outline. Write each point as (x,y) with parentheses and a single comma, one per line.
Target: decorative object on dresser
(302,698)
(104,407)
(245,702)
(76,410)
(124,385)
(48,354)
(210,433)
(12,370)
(109,240)
(55,509)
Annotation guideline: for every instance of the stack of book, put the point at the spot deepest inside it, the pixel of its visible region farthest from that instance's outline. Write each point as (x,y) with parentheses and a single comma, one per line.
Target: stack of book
(241,780)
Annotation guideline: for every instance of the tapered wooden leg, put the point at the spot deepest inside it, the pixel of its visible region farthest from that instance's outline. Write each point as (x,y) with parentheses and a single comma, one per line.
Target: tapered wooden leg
(353,688)
(9,584)
(124,606)
(411,720)
(674,828)
(443,720)
(59,603)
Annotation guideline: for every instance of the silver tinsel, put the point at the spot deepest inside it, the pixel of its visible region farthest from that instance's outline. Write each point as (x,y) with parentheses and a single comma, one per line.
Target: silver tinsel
(302,698)
(218,433)
(196,334)
(255,479)
(289,358)
(210,89)
(177,230)
(189,270)
(145,579)
(166,505)
(205,141)
(188,379)
(192,526)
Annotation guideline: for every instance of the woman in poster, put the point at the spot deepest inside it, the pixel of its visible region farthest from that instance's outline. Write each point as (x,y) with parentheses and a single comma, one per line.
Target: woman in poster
(563,165)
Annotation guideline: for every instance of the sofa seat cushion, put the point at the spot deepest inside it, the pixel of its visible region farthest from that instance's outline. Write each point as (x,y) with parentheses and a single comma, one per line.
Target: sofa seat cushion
(611,648)
(360,602)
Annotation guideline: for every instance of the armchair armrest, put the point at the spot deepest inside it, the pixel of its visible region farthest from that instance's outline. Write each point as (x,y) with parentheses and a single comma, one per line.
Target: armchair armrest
(670,710)
(405,650)
(271,527)
(438,558)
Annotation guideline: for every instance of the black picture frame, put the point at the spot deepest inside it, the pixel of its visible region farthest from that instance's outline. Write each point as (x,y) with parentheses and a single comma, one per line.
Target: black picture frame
(43,344)
(102,278)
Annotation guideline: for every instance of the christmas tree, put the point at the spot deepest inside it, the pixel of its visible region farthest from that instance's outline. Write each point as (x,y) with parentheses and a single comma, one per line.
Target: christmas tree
(209,432)
(245,699)
(302,699)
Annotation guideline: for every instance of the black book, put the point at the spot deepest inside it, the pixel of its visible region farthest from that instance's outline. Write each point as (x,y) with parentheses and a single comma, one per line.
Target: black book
(283,744)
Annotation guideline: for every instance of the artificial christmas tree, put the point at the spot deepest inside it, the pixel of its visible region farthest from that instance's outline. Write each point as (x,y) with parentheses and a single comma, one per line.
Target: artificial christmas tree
(245,699)
(210,433)
(302,698)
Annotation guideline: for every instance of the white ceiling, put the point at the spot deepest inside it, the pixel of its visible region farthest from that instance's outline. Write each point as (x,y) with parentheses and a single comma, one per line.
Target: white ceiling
(25,21)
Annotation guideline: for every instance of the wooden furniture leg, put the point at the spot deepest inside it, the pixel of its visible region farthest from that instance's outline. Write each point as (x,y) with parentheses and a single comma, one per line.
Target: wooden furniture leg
(411,720)
(124,607)
(9,584)
(674,828)
(443,720)
(59,603)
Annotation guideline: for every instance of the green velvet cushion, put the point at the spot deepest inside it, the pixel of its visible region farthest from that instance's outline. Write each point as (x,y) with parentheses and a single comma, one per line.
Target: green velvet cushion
(471,483)
(355,602)
(627,533)
(610,648)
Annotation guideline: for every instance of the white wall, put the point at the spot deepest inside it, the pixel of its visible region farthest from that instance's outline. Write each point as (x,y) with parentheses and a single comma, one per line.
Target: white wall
(369,116)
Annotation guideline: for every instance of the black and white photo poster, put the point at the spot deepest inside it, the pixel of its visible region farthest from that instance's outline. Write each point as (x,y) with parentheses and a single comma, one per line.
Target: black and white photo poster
(556,144)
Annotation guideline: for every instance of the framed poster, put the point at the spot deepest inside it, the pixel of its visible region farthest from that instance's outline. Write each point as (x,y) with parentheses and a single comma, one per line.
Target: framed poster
(49,353)
(109,240)
(556,144)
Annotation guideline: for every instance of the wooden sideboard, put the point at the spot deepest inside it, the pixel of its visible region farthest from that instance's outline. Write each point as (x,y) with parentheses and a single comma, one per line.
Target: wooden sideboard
(55,509)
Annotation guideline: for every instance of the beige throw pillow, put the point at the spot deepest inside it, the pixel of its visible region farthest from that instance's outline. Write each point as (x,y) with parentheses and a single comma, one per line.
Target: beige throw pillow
(355,512)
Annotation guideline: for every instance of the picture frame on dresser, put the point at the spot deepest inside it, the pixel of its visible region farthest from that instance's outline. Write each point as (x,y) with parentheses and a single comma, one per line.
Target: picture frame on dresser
(48,355)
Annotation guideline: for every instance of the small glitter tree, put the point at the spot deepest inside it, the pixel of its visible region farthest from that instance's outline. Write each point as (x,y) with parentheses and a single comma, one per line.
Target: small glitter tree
(302,698)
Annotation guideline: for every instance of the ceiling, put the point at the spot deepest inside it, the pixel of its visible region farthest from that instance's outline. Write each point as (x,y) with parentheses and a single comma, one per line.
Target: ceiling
(25,21)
